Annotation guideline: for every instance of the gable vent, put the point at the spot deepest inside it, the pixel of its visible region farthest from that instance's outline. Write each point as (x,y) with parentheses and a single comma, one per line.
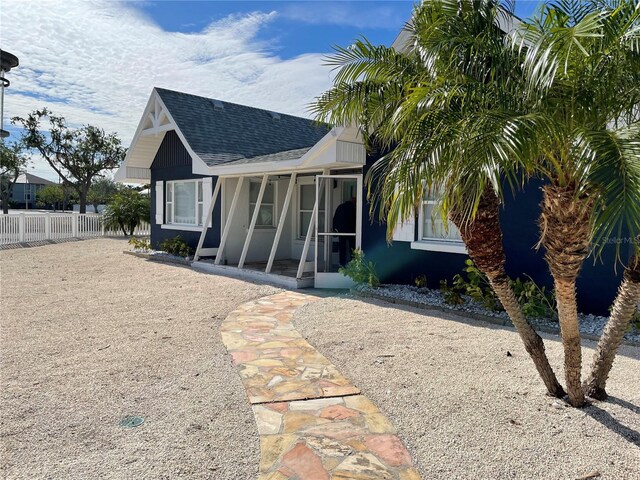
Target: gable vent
(275,115)
(217,104)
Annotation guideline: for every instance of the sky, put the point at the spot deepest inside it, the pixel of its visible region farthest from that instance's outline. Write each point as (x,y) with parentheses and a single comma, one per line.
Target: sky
(97,61)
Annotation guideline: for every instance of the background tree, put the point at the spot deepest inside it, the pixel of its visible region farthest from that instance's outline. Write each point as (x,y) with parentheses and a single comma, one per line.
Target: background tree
(101,192)
(127,210)
(77,155)
(50,196)
(13,162)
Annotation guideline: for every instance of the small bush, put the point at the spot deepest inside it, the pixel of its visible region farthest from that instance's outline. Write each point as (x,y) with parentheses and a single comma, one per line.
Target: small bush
(360,271)
(141,244)
(176,246)
(450,294)
(477,286)
(535,301)
(421,281)
(126,211)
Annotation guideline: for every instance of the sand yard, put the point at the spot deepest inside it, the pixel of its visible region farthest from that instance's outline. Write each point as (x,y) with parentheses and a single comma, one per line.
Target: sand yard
(467,410)
(90,335)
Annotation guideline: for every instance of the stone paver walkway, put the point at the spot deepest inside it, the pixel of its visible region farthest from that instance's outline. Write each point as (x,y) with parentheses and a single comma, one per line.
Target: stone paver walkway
(313,423)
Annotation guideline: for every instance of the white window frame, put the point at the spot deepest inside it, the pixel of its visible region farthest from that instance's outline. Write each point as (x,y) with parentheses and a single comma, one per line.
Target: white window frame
(304,181)
(170,205)
(446,245)
(252,205)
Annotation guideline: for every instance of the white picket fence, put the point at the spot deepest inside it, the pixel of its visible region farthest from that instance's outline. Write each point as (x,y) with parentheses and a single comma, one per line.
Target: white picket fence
(36,227)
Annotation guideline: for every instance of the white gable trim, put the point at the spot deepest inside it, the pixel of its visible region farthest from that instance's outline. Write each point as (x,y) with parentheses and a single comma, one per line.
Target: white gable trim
(156,120)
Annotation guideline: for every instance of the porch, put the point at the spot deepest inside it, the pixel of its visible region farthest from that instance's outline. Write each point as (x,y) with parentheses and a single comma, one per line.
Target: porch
(283,272)
(280,228)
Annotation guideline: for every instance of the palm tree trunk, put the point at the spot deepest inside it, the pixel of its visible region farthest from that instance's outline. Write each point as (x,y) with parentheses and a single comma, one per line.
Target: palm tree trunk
(483,239)
(565,224)
(623,309)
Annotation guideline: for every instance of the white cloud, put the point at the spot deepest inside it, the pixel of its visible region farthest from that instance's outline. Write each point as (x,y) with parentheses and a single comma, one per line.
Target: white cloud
(97,61)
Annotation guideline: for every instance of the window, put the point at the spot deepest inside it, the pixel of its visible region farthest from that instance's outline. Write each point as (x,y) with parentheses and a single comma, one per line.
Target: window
(306,201)
(184,202)
(432,227)
(266,213)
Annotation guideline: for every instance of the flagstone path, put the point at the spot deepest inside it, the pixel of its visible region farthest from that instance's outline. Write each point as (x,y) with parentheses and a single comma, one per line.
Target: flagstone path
(313,423)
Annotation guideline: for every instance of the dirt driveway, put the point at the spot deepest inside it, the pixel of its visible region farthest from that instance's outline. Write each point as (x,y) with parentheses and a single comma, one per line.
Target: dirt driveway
(90,335)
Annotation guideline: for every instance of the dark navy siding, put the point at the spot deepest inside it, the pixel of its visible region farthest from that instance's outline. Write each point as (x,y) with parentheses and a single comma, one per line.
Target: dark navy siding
(173,162)
(398,263)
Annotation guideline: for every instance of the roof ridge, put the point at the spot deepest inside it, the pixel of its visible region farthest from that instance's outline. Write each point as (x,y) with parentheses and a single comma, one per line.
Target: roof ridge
(310,120)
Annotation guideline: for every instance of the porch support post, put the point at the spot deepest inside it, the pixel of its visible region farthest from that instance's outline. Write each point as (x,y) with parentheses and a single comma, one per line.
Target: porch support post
(307,240)
(206,224)
(229,221)
(281,222)
(254,219)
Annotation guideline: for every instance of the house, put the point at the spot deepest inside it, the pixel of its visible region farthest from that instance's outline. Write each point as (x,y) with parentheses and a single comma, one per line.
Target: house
(24,190)
(255,193)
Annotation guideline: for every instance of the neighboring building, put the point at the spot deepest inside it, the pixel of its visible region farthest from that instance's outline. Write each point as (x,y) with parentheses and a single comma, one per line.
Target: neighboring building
(202,155)
(24,190)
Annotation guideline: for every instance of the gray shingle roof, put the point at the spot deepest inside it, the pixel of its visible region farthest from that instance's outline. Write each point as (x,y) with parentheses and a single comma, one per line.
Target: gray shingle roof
(237,133)
(31,178)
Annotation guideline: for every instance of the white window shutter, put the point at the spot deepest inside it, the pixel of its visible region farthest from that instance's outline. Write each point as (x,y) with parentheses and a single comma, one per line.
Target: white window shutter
(405,231)
(159,203)
(206,198)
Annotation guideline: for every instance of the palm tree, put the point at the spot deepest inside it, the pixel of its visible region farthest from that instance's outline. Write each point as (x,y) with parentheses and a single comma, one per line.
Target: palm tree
(447,111)
(623,309)
(582,71)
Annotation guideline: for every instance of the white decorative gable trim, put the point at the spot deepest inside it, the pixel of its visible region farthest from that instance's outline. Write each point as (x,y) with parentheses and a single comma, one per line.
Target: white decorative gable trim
(154,123)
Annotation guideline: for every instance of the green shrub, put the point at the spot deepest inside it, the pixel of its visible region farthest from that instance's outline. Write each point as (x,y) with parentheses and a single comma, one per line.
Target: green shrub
(634,324)
(360,271)
(477,286)
(140,244)
(421,281)
(450,294)
(535,301)
(127,209)
(176,246)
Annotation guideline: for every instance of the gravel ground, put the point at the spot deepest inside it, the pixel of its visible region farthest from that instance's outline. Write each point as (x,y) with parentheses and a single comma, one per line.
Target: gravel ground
(90,335)
(590,324)
(466,409)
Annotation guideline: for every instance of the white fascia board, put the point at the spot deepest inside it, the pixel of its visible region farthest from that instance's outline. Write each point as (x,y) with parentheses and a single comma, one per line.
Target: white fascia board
(306,162)
(259,168)
(120,175)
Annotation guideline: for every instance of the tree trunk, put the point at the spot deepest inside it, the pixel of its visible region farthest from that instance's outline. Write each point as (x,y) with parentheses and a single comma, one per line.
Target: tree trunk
(483,239)
(5,204)
(565,224)
(623,309)
(83,200)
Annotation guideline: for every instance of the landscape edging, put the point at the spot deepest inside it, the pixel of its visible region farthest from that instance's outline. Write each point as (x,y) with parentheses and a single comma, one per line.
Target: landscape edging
(160,258)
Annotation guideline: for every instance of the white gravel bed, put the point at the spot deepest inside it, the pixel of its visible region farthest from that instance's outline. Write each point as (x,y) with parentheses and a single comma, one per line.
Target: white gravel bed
(466,409)
(589,324)
(160,256)
(90,335)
